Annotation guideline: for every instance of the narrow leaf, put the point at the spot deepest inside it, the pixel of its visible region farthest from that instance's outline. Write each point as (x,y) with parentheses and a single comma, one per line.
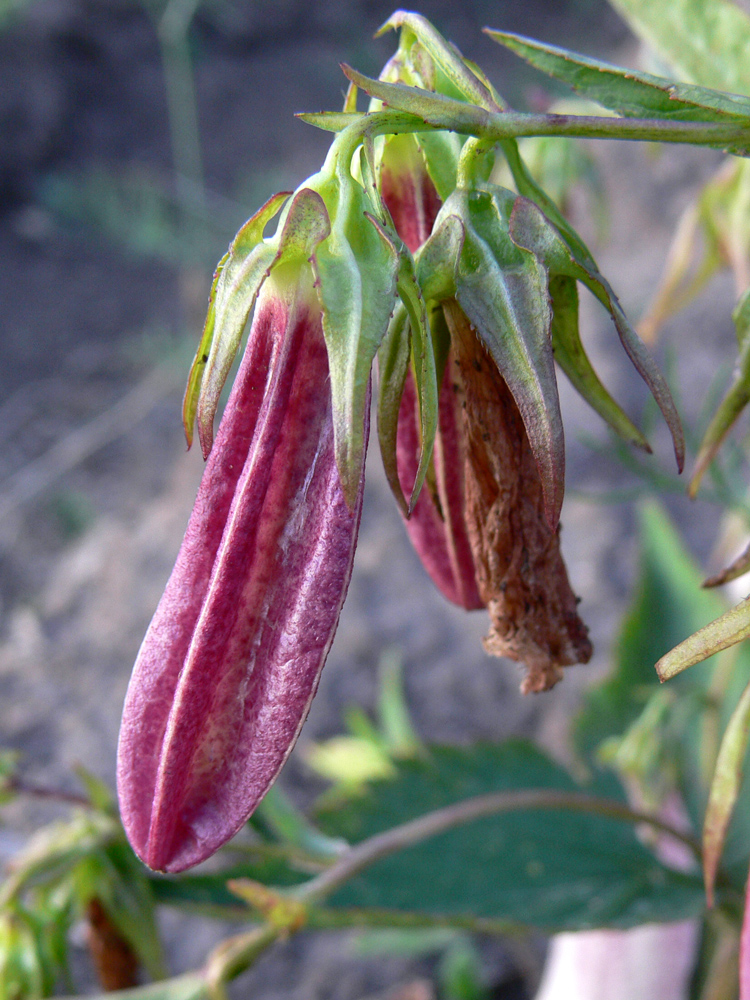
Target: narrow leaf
(725,788)
(731,628)
(330,121)
(198,367)
(531,230)
(625,91)
(572,358)
(737,568)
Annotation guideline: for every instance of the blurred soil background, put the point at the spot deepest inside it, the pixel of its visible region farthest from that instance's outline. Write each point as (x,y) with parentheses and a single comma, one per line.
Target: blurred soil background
(106,261)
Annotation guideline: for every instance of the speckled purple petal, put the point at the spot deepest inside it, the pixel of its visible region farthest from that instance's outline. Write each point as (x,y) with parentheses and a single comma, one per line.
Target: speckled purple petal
(231,661)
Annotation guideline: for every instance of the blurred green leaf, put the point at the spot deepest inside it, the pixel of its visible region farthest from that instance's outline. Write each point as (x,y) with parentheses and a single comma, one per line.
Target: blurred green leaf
(704,41)
(547,868)
(625,91)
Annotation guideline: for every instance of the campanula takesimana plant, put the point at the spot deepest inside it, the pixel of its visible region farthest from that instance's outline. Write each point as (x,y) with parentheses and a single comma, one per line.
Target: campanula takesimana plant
(401,249)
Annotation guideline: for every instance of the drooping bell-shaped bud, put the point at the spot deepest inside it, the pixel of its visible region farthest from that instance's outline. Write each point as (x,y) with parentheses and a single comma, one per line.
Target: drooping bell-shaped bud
(231,660)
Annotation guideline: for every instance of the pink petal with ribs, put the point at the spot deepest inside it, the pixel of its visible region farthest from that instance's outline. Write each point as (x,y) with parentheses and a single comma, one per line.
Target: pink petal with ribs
(437,526)
(231,661)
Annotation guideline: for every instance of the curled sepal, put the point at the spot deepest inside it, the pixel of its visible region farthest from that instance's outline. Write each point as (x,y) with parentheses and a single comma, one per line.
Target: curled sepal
(502,289)
(572,358)
(725,788)
(231,660)
(733,403)
(238,277)
(356,269)
(393,365)
(198,367)
(531,229)
(729,629)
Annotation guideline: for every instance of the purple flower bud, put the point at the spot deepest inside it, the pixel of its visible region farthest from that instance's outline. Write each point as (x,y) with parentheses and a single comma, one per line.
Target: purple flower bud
(232,658)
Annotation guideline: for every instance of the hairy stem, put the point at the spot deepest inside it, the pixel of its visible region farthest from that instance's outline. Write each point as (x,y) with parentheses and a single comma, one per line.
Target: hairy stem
(415,831)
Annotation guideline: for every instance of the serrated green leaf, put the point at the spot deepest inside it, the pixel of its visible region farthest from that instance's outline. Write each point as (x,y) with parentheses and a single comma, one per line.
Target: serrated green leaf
(356,266)
(236,284)
(503,291)
(625,91)
(704,41)
(552,869)
(725,788)
(530,229)
(572,358)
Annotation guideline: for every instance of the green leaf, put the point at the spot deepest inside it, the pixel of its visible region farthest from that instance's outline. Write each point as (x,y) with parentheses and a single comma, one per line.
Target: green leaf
(357,267)
(552,869)
(704,41)
(625,91)
(503,291)
(572,358)
(667,604)
(530,229)
(725,789)
(729,629)
(239,275)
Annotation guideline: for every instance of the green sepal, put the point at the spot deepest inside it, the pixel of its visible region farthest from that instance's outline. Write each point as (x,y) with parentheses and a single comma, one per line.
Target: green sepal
(502,288)
(437,259)
(572,358)
(423,366)
(626,91)
(393,364)
(530,229)
(236,283)
(331,121)
(734,401)
(725,788)
(444,54)
(356,269)
(727,630)
(198,367)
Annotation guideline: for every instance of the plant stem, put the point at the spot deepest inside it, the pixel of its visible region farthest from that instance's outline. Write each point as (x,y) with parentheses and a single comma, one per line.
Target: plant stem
(415,831)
